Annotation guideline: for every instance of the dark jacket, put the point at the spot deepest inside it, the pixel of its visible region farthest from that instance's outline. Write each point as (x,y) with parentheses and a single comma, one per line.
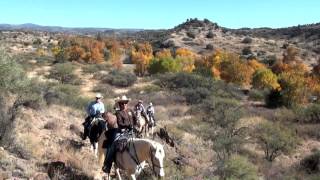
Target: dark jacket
(126,119)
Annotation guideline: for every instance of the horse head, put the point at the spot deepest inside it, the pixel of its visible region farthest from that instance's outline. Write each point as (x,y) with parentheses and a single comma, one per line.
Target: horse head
(157,157)
(110,119)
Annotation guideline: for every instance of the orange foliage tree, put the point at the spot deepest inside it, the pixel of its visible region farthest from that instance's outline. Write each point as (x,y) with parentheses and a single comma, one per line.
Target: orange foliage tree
(164,53)
(75,53)
(141,55)
(115,55)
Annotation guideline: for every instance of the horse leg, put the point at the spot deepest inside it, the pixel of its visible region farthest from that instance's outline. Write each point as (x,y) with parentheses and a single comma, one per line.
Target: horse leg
(118,173)
(133,176)
(95,149)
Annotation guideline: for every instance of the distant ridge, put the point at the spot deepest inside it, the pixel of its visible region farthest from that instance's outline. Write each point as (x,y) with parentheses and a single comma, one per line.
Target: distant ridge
(81,30)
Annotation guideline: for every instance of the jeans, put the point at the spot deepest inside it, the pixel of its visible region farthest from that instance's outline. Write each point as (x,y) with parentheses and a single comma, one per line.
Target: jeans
(111,136)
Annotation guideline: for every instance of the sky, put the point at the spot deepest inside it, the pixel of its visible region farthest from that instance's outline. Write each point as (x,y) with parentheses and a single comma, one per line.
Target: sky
(159,14)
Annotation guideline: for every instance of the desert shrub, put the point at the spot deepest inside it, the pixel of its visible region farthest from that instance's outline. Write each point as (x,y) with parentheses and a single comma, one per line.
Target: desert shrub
(50,125)
(311,163)
(285,115)
(37,41)
(195,96)
(309,114)
(276,139)
(184,80)
(67,95)
(120,78)
(191,34)
(256,95)
(270,60)
(247,40)
(64,73)
(238,167)
(93,68)
(105,89)
(210,35)
(246,51)
(12,76)
(209,47)
(224,114)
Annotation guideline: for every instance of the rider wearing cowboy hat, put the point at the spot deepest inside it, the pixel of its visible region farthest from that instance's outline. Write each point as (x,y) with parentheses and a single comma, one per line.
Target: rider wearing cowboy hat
(140,110)
(126,120)
(95,109)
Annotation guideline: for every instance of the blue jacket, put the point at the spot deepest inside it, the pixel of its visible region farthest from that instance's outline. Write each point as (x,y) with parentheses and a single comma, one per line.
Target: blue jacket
(95,107)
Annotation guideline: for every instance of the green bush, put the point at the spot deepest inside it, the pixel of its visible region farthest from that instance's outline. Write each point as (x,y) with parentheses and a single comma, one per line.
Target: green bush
(12,76)
(164,65)
(93,68)
(120,78)
(276,139)
(64,73)
(238,167)
(67,95)
(195,96)
(311,163)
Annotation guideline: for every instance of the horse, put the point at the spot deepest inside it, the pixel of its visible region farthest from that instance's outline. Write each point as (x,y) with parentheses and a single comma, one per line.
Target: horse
(98,127)
(143,125)
(138,154)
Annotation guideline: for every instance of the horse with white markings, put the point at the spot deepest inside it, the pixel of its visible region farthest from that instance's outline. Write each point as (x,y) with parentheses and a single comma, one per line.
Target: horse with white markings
(98,127)
(138,154)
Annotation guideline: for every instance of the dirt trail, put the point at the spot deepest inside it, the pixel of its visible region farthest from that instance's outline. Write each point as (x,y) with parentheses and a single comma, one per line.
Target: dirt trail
(40,73)
(88,83)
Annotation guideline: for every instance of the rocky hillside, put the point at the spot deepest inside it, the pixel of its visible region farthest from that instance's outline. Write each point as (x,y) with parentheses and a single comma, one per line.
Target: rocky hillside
(264,43)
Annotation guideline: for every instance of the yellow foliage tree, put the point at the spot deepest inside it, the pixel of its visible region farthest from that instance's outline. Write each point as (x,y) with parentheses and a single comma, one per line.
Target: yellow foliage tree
(186,58)
(265,78)
(141,55)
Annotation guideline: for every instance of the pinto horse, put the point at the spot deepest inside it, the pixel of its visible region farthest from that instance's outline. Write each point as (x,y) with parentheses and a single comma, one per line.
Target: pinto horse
(98,127)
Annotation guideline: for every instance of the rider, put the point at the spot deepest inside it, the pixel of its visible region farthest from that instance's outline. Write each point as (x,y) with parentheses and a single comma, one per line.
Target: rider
(125,119)
(95,109)
(150,113)
(140,110)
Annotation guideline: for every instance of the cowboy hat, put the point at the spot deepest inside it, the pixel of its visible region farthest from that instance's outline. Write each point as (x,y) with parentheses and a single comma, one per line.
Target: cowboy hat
(98,95)
(123,99)
(140,101)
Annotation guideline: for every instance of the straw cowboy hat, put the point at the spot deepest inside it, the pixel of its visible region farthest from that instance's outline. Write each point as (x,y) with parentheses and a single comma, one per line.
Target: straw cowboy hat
(98,95)
(123,99)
